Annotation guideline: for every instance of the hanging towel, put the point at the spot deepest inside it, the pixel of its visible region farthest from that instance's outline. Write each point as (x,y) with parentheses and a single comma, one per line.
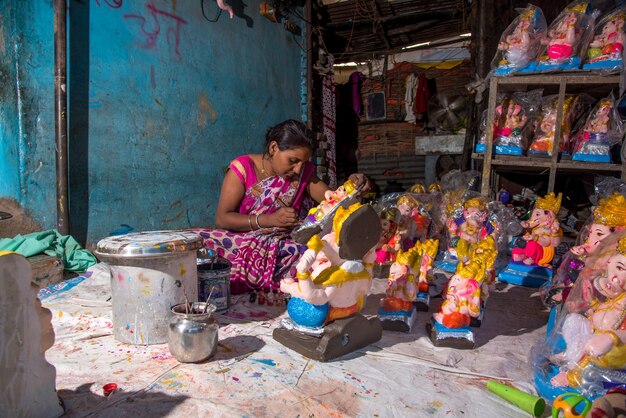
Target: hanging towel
(422,95)
(411,88)
(63,247)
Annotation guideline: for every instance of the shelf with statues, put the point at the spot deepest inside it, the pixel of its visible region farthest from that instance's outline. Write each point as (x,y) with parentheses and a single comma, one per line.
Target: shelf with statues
(516,116)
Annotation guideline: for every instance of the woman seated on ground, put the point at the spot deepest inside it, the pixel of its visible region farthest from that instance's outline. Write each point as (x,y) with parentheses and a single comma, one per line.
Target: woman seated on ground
(263,197)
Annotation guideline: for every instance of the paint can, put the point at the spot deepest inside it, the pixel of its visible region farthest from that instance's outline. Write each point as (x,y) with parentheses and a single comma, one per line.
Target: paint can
(214,273)
(150,273)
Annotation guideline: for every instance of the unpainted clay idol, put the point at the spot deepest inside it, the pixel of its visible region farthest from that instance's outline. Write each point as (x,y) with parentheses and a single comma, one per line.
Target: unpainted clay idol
(27,380)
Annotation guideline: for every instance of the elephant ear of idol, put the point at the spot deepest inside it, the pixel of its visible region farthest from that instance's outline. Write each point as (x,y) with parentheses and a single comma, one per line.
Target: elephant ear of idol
(360,232)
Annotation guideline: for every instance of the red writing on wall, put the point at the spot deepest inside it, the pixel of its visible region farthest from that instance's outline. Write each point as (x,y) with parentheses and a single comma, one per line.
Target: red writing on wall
(115,4)
(151,26)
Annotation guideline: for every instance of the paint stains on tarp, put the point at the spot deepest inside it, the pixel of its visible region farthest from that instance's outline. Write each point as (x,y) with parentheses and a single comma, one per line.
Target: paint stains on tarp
(267,362)
(205,110)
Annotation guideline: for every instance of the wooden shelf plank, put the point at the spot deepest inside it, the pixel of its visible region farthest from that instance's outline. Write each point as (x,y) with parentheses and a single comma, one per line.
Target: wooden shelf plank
(556,79)
(587,166)
(516,161)
(563,165)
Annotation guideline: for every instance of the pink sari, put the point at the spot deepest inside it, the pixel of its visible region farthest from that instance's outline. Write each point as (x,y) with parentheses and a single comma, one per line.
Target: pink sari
(261,258)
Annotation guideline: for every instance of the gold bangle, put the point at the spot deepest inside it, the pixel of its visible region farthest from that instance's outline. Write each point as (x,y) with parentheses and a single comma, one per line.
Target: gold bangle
(250,222)
(257,221)
(303,276)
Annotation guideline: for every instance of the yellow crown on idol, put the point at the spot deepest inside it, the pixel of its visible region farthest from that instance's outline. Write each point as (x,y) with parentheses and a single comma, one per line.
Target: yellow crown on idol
(611,211)
(474,202)
(549,202)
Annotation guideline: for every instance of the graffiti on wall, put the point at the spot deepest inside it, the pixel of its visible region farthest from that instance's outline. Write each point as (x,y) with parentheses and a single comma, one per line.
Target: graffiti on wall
(155,24)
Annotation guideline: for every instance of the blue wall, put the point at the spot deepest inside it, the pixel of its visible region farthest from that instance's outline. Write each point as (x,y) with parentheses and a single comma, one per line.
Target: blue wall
(160,101)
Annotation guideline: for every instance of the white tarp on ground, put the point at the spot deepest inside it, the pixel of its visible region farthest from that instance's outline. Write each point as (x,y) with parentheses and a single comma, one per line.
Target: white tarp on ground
(253,375)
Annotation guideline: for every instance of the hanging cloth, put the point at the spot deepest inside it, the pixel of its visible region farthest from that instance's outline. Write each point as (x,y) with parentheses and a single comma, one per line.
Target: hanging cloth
(422,95)
(409,96)
(356,80)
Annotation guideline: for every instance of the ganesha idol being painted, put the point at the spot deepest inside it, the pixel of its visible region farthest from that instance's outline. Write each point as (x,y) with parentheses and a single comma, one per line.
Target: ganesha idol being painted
(595,338)
(544,233)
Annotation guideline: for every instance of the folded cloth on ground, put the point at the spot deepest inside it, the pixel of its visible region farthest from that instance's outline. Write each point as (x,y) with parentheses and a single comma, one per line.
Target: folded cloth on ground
(52,243)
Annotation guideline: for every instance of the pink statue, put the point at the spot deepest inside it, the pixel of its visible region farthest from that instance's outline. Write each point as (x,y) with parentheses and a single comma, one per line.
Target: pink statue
(517,44)
(408,276)
(597,336)
(390,240)
(472,225)
(608,218)
(414,221)
(520,41)
(545,233)
(463,295)
(596,126)
(610,40)
(562,37)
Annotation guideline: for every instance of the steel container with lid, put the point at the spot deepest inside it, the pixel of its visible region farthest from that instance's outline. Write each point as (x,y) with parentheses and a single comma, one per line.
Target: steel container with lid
(150,273)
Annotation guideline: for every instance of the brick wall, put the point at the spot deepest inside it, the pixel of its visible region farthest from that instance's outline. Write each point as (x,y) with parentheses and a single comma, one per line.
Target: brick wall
(393,134)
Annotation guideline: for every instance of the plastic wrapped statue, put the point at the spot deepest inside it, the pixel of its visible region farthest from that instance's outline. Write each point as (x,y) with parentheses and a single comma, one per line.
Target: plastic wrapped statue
(417,188)
(407,284)
(463,298)
(520,42)
(601,130)
(530,262)
(319,217)
(605,50)
(414,221)
(595,336)
(511,117)
(334,276)
(566,37)
(545,124)
(608,218)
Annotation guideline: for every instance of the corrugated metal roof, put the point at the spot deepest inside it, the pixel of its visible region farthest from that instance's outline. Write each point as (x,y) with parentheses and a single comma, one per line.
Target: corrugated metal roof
(359,29)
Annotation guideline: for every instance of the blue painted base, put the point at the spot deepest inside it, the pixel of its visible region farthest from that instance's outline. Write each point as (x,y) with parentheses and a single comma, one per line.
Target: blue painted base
(508,150)
(522,275)
(448,266)
(604,65)
(500,149)
(545,389)
(401,321)
(549,65)
(422,301)
(596,158)
(504,70)
(441,336)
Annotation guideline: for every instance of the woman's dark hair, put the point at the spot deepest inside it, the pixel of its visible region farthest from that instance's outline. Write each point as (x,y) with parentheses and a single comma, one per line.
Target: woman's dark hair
(288,135)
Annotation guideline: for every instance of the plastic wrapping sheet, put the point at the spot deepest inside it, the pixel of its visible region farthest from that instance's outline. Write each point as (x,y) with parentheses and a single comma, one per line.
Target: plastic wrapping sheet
(253,375)
(520,42)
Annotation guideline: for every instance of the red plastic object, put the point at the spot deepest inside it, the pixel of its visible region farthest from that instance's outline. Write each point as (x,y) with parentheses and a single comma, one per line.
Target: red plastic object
(109,388)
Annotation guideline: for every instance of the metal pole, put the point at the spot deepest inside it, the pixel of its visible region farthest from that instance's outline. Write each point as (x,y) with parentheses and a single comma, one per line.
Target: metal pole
(60,110)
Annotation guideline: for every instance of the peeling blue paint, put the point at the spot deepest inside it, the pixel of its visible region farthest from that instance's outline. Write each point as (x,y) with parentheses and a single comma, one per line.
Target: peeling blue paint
(160,100)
